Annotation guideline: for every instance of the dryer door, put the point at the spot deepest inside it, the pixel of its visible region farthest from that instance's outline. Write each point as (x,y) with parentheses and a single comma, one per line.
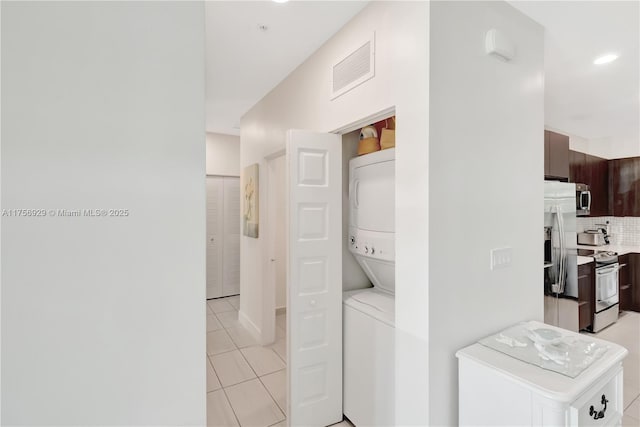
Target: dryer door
(372,197)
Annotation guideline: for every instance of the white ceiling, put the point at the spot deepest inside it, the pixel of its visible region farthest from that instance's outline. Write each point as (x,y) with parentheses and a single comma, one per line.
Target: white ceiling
(583,99)
(244,63)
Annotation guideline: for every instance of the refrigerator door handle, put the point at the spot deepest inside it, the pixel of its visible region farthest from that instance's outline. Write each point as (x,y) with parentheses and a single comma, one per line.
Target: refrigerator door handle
(563,251)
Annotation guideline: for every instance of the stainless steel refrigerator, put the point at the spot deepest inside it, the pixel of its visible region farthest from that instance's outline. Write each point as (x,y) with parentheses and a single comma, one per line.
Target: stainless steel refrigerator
(561,267)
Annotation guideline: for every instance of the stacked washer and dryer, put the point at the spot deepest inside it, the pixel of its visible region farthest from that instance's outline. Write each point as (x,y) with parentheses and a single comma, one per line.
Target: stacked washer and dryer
(369,314)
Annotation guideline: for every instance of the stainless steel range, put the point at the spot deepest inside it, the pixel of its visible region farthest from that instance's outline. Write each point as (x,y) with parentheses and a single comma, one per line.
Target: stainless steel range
(607,299)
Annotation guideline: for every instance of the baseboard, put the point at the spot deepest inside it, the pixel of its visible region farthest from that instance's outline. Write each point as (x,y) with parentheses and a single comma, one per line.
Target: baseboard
(255,332)
(281,310)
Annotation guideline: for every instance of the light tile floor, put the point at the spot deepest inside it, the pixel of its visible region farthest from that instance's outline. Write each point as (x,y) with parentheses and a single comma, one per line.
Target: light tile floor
(246,382)
(626,332)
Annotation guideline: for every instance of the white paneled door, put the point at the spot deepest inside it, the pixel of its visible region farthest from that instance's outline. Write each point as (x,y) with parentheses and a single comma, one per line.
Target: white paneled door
(223,236)
(314,272)
(231,255)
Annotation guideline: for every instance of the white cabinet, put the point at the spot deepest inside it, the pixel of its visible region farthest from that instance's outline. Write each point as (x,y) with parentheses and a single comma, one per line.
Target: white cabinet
(223,236)
(499,390)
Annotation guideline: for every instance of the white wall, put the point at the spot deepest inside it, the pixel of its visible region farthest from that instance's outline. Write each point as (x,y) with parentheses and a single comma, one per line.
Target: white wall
(103,319)
(607,148)
(353,277)
(280,247)
(223,154)
(614,147)
(486,118)
(302,101)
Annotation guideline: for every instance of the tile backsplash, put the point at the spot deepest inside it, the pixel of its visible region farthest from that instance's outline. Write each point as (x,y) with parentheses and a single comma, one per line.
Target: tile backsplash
(624,231)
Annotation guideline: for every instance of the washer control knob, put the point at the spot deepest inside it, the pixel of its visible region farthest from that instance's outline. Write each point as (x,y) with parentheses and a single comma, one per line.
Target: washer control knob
(373,251)
(352,240)
(366,249)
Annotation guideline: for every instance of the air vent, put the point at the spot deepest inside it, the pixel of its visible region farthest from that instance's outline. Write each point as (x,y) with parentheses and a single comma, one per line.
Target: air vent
(353,69)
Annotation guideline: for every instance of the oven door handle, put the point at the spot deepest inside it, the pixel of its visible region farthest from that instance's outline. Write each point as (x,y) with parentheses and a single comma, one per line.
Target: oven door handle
(607,270)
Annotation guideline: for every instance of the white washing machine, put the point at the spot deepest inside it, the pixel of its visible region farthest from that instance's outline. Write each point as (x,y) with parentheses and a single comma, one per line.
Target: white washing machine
(369,314)
(368,359)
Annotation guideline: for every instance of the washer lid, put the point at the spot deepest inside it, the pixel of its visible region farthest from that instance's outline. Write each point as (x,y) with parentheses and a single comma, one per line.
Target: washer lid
(374,302)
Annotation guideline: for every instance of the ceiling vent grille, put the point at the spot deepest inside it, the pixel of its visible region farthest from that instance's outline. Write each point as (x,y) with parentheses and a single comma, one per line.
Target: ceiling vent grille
(354,69)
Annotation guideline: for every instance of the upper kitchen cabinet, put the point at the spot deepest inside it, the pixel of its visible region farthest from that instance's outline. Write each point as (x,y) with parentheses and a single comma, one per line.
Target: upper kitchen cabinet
(556,156)
(593,171)
(624,186)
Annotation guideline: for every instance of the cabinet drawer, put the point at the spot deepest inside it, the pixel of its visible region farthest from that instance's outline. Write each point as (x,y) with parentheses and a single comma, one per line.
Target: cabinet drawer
(585,269)
(580,413)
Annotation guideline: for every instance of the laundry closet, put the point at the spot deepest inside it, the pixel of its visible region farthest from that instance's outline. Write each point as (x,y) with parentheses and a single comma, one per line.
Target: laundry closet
(368,262)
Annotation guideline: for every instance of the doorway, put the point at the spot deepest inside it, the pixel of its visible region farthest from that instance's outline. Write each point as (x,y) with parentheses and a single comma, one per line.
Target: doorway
(276,307)
(278,250)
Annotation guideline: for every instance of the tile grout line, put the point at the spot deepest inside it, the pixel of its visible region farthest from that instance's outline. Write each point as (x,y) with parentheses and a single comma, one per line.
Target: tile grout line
(231,406)
(239,349)
(264,386)
(214,372)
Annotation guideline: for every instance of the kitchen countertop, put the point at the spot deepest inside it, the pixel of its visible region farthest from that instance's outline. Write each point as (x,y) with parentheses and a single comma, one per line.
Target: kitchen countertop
(621,250)
(584,260)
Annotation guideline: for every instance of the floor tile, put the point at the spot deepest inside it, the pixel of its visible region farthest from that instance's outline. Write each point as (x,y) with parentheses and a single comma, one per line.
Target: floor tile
(276,384)
(241,337)
(263,360)
(213,324)
(229,319)
(630,392)
(282,423)
(212,379)
(219,412)
(634,409)
(253,405)
(234,301)
(625,332)
(231,368)
(219,342)
(628,421)
(219,305)
(343,423)
(280,347)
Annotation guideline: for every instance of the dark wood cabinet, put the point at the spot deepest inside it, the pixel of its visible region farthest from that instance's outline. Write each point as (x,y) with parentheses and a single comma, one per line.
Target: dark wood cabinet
(577,167)
(634,273)
(593,171)
(547,152)
(586,292)
(625,283)
(556,155)
(624,186)
(599,185)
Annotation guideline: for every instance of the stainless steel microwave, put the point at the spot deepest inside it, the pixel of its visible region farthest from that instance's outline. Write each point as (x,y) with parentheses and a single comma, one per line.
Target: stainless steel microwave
(583,200)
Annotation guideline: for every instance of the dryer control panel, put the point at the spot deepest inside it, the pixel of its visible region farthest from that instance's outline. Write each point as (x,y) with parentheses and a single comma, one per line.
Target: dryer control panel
(372,244)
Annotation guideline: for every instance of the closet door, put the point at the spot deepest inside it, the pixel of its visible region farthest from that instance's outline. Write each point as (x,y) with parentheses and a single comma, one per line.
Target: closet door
(215,224)
(231,241)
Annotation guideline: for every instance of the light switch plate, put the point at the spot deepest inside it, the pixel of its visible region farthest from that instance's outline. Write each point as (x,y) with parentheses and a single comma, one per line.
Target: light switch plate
(501,257)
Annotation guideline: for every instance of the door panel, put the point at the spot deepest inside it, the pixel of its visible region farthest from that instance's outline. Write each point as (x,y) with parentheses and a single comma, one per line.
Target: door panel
(214,235)
(231,256)
(315,278)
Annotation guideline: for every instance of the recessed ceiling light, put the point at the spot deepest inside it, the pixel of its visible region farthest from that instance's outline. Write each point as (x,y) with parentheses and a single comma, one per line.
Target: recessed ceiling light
(280,1)
(605,59)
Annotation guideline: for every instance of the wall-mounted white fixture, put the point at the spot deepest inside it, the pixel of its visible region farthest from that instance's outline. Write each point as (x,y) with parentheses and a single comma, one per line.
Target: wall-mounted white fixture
(497,43)
(353,68)
(605,59)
